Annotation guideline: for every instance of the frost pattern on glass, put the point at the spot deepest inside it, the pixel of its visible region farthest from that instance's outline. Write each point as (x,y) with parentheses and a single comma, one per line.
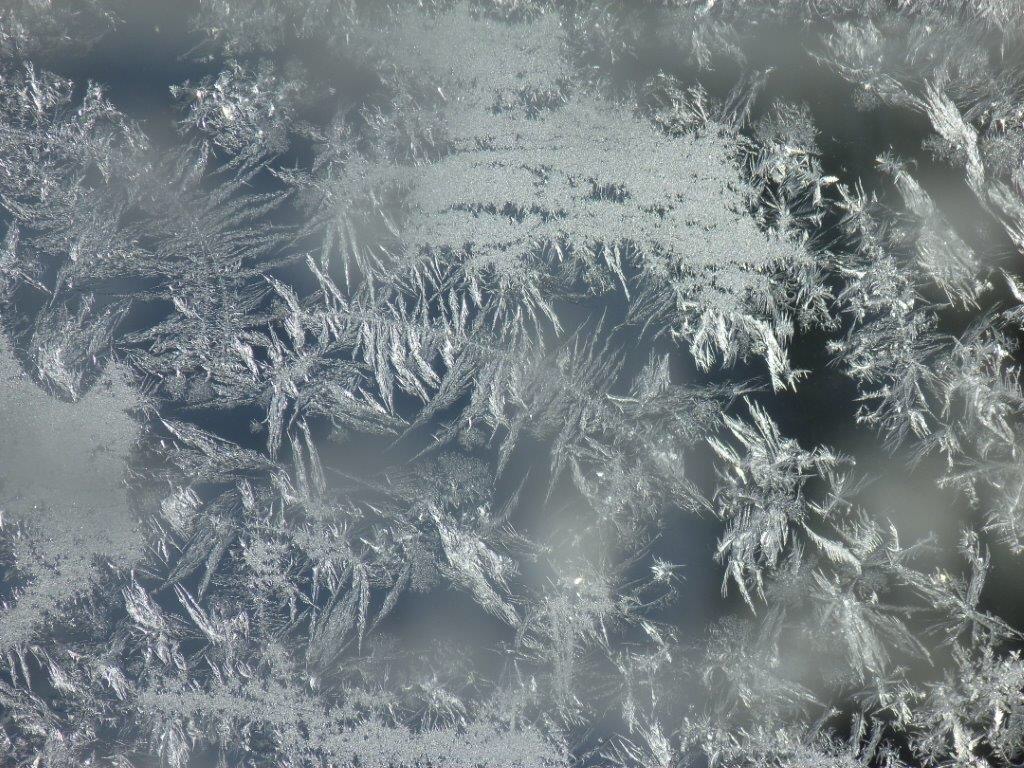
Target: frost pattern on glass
(511,383)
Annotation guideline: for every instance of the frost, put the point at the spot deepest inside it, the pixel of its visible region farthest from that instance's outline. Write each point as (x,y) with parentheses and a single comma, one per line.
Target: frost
(304,730)
(511,383)
(29,27)
(761,497)
(65,506)
(242,111)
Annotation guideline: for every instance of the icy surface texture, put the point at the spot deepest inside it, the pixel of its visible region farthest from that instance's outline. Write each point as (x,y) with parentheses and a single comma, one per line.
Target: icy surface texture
(511,383)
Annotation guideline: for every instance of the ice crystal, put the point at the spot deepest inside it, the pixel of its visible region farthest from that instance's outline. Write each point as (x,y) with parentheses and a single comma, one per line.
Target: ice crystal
(511,383)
